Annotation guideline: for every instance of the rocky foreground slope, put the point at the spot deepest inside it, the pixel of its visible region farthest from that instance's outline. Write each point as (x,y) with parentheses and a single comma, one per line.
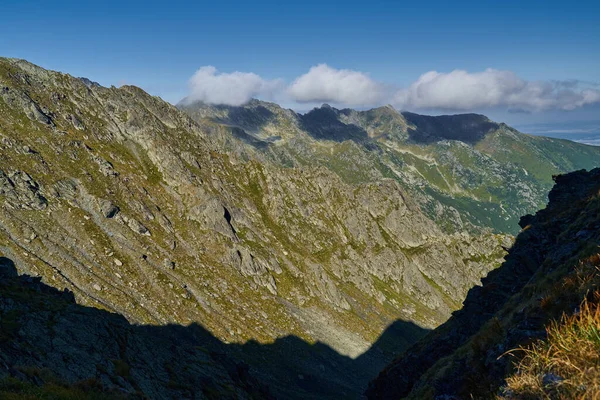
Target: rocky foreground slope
(51,347)
(552,267)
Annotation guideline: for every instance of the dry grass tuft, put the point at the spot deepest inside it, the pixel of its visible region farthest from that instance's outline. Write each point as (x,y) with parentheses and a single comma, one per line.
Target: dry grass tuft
(566,365)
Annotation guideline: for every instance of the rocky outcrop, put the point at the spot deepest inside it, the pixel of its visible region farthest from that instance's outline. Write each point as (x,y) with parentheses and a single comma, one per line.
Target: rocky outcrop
(255,268)
(21,191)
(108,208)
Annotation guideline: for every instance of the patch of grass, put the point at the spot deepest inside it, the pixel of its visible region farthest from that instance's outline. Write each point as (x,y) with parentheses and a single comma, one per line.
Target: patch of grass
(565,365)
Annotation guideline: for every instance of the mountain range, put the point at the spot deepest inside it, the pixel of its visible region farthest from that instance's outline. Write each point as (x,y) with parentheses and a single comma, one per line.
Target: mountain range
(466,172)
(245,233)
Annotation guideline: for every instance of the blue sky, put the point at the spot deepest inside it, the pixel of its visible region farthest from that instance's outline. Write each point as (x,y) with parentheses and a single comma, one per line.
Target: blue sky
(159,46)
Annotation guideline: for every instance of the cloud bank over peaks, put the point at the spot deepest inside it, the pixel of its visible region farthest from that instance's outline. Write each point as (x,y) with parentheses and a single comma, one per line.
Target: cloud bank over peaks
(457,90)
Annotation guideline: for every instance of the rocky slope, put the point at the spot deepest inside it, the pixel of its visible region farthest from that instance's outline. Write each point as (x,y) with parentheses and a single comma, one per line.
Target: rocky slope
(552,267)
(138,209)
(47,340)
(465,171)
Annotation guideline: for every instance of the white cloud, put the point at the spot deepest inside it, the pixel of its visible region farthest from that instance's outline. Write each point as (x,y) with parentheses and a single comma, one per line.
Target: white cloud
(458,90)
(341,86)
(235,88)
(461,90)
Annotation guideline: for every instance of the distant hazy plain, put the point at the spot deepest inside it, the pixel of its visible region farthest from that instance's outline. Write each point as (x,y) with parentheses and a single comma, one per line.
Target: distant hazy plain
(587,132)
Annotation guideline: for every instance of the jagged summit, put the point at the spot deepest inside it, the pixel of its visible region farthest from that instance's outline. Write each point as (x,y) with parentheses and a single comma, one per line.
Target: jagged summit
(89,83)
(464,127)
(329,123)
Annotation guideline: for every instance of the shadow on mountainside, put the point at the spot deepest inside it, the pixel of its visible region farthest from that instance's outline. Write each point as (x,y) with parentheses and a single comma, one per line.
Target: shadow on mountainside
(244,122)
(323,123)
(251,119)
(468,128)
(45,335)
(249,139)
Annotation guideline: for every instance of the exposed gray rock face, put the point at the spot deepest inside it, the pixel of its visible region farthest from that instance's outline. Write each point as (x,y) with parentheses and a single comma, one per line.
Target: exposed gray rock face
(22,100)
(137,226)
(255,268)
(21,191)
(77,124)
(106,168)
(212,215)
